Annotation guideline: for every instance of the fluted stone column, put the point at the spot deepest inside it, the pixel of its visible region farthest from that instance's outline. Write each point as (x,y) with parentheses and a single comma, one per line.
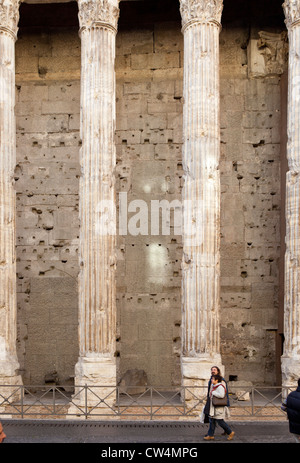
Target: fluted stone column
(291,355)
(9,17)
(97,303)
(201,191)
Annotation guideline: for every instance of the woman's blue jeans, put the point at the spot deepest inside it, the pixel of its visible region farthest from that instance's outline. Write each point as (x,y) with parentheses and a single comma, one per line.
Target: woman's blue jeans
(213,423)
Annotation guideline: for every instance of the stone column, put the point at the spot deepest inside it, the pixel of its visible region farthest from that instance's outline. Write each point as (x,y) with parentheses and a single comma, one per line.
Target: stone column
(201,191)
(97,302)
(9,17)
(290,361)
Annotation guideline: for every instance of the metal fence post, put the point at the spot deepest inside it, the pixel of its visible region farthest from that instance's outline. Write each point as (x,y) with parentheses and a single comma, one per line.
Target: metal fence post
(53,394)
(85,400)
(22,401)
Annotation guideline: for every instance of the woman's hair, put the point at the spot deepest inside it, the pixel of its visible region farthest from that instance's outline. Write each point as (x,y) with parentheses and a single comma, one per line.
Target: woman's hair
(218,378)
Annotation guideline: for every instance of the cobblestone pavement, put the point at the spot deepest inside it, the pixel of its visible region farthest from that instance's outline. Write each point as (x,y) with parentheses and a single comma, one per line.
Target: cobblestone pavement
(131,432)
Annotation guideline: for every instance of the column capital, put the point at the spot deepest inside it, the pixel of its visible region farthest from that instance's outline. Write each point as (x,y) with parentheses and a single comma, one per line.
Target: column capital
(93,13)
(200,11)
(291,10)
(9,16)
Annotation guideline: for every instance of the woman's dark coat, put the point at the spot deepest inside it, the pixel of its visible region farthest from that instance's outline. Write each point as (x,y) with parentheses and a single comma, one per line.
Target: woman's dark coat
(293,410)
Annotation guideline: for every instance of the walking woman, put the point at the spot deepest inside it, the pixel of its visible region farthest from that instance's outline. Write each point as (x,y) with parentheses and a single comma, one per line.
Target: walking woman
(217,414)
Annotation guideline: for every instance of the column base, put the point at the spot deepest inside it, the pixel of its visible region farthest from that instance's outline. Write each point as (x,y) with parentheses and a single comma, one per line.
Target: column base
(196,372)
(95,388)
(10,380)
(290,369)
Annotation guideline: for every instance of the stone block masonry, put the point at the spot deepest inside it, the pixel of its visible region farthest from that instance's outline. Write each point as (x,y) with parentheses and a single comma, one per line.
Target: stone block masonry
(149,109)
(148,144)
(250,211)
(46,182)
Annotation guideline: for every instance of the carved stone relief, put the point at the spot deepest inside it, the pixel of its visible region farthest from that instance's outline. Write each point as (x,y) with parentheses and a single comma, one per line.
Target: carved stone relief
(103,11)
(201,10)
(9,15)
(292,11)
(268,55)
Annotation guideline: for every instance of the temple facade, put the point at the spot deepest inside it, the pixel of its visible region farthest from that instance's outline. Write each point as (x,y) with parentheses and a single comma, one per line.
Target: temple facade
(149,200)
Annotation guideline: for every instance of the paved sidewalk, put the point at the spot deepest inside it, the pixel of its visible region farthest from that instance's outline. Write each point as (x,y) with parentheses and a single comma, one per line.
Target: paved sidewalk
(133,432)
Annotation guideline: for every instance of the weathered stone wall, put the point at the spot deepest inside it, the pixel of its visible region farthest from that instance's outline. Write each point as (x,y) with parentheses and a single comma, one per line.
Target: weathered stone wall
(148,137)
(46,182)
(250,207)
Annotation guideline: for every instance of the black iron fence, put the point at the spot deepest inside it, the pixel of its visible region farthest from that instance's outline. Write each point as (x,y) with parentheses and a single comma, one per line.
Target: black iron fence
(185,402)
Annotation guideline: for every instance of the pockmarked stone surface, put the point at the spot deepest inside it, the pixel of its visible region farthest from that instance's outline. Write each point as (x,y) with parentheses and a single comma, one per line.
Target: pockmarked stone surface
(49,175)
